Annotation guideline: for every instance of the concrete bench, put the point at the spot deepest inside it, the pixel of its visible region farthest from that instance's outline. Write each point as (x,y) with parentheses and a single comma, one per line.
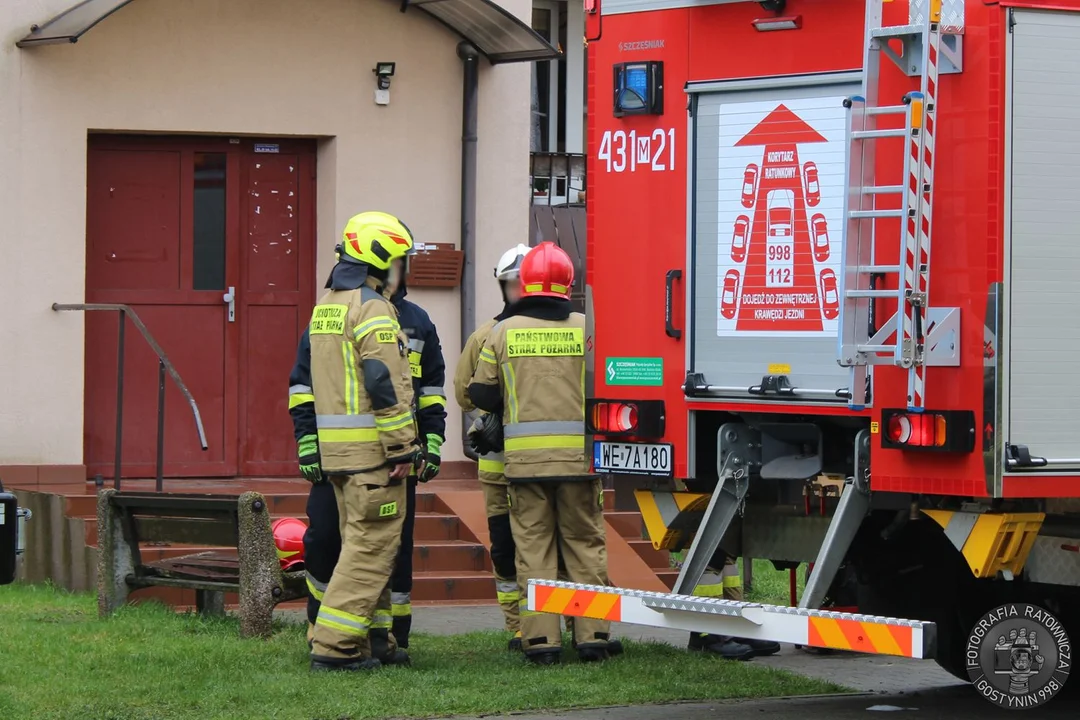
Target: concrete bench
(247,564)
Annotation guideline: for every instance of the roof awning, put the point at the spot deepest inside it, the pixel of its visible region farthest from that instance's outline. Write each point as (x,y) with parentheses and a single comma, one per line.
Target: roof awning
(496,33)
(72,24)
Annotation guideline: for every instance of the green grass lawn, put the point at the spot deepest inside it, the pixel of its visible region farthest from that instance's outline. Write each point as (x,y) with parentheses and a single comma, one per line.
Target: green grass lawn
(772,586)
(58,660)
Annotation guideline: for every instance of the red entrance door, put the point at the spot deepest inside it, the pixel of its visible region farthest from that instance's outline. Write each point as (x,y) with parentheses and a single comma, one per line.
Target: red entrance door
(211,242)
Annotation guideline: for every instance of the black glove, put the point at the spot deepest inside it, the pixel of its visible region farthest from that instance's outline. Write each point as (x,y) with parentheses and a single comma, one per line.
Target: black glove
(486,434)
(307,451)
(432,460)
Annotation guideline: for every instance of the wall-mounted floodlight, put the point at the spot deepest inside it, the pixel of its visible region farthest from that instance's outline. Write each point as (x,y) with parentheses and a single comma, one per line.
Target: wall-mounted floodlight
(383,72)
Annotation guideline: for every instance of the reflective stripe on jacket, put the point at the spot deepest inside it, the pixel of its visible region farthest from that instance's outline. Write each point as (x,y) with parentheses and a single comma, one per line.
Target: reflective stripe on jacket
(539,366)
(361,382)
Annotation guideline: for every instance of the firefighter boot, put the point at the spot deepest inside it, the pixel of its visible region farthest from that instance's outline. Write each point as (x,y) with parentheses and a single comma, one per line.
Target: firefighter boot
(515,643)
(725,647)
(761,648)
(544,657)
(614,647)
(385,651)
(357,664)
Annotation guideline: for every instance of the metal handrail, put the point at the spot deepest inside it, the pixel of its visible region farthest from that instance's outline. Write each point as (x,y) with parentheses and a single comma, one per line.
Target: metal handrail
(164,367)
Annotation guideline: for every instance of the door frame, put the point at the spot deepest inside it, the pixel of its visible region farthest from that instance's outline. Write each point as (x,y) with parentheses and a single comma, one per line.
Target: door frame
(235,149)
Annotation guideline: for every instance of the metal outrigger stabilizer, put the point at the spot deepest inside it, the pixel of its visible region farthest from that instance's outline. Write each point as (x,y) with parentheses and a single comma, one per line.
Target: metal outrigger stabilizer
(852,508)
(737,456)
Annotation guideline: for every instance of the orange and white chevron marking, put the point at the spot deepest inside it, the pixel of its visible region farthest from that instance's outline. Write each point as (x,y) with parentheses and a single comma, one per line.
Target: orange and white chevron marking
(813,628)
(594,604)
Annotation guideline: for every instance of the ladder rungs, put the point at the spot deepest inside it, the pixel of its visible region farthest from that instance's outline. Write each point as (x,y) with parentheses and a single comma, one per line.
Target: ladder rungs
(876,134)
(887,110)
(878,269)
(871,293)
(875,348)
(884,190)
(892,31)
(858,214)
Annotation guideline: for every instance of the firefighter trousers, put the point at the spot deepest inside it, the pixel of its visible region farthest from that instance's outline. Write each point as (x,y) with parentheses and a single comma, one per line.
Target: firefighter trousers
(355,607)
(725,583)
(549,517)
(322,545)
(402,579)
(503,552)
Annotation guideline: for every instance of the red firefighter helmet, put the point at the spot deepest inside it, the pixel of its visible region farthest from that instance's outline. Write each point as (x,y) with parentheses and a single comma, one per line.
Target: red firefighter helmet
(289,541)
(547,272)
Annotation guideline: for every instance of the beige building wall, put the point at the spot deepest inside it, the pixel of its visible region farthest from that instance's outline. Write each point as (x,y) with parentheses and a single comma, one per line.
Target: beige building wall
(243,67)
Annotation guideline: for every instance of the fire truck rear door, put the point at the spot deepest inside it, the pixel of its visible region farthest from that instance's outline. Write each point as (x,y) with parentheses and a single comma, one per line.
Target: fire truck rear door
(767,224)
(1042,265)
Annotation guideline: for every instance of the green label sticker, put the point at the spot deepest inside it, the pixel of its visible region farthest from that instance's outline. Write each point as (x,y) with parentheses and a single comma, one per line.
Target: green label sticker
(642,371)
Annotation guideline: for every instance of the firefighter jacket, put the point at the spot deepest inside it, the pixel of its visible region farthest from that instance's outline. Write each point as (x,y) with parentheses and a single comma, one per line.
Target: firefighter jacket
(426,367)
(532,370)
(490,466)
(358,396)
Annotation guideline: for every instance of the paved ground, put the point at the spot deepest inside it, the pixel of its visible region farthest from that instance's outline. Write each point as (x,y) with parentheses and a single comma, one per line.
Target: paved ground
(955,703)
(875,674)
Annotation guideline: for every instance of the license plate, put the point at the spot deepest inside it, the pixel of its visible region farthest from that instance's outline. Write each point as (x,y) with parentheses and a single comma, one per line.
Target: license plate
(633,458)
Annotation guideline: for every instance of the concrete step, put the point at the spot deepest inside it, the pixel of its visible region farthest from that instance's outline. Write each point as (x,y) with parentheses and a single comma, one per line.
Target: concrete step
(450,556)
(627,524)
(656,559)
(458,586)
(284,505)
(668,577)
(439,526)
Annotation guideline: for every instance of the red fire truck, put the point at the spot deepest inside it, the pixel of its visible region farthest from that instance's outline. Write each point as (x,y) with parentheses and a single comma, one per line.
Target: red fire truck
(772,363)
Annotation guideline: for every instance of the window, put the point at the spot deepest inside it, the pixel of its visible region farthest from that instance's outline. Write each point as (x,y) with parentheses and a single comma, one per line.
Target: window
(209,222)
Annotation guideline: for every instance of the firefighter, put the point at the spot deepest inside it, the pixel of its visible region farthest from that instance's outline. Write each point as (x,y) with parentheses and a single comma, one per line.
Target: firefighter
(323,540)
(531,374)
(727,584)
(428,371)
(350,398)
(490,465)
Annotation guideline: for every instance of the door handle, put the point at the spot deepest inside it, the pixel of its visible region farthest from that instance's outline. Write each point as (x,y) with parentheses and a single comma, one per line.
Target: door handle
(230,299)
(669,328)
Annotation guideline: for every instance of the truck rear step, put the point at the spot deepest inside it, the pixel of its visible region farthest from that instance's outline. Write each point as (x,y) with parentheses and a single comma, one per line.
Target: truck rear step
(813,628)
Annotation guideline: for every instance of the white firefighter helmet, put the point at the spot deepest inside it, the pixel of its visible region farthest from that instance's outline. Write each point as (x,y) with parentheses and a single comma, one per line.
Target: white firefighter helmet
(510,262)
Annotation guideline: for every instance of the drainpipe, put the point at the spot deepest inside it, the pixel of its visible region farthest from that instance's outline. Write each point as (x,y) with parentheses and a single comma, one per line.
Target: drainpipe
(470,58)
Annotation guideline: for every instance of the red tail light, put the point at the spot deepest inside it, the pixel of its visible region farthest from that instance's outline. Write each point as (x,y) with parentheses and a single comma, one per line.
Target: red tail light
(948,431)
(614,417)
(635,418)
(920,429)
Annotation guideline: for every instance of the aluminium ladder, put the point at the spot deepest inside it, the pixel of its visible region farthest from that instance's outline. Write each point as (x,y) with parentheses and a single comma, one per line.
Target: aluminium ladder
(904,339)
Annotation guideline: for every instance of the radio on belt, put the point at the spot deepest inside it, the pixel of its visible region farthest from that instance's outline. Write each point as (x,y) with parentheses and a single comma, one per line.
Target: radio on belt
(12,534)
